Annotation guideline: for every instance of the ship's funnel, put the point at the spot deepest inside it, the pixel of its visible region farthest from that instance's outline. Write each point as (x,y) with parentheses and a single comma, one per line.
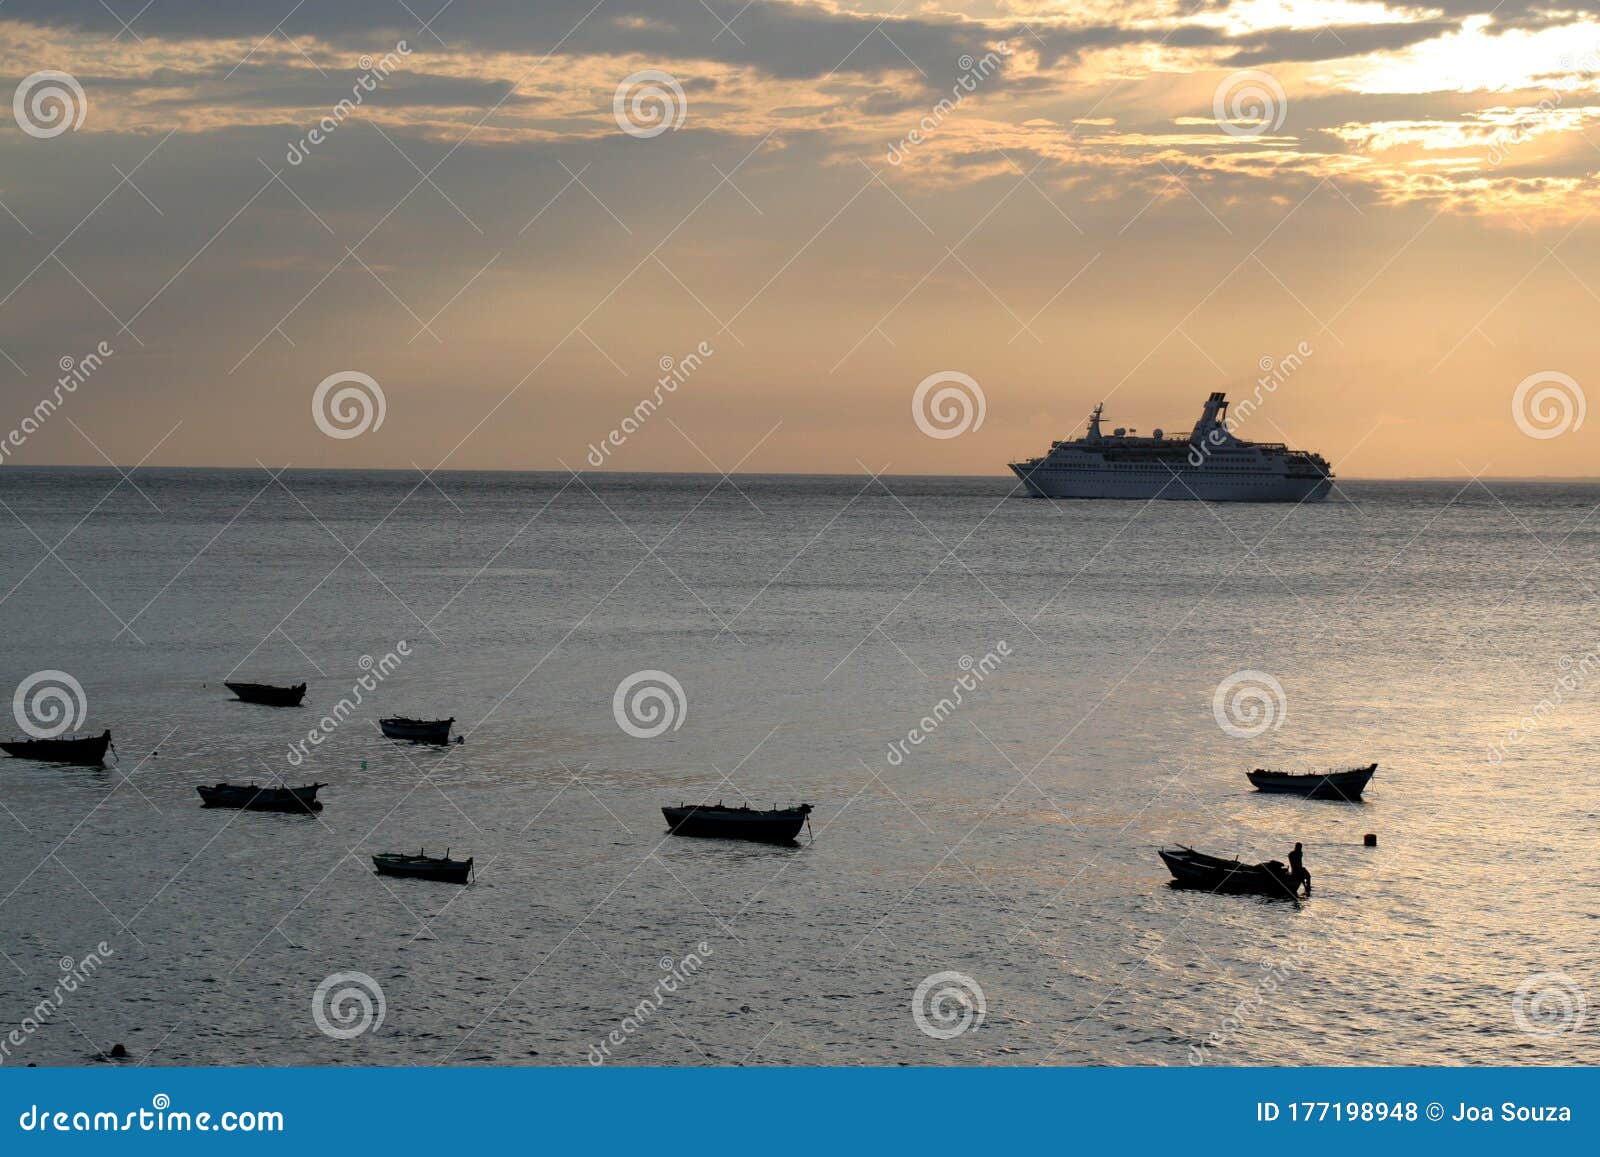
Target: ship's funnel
(1215,415)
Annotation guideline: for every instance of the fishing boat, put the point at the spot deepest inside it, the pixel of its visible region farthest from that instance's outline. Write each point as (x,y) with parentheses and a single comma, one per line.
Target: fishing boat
(778,826)
(1192,869)
(423,866)
(1346,785)
(417,730)
(262,799)
(88,752)
(268,694)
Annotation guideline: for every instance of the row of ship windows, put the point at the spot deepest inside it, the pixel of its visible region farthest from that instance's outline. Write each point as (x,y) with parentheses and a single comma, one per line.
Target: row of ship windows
(1178,479)
(1164,470)
(1242,458)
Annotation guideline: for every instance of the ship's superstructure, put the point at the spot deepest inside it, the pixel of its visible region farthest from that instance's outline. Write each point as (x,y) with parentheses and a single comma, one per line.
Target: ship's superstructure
(1208,463)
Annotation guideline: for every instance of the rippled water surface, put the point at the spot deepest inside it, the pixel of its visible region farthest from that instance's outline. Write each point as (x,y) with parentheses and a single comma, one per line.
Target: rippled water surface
(811,624)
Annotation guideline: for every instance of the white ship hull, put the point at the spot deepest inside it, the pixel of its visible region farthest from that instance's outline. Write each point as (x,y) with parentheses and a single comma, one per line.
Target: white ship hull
(1181,485)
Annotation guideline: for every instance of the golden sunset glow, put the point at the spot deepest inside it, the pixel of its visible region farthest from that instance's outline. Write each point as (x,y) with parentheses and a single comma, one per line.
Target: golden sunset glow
(1072,203)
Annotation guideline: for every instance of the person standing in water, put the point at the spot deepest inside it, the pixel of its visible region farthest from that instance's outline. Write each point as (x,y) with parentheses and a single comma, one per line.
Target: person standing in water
(1297,870)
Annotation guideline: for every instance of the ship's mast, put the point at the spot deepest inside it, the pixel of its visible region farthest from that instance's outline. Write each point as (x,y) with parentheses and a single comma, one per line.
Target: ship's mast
(1094,424)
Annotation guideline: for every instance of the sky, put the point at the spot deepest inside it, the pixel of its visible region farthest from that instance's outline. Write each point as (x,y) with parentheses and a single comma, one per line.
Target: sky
(710,235)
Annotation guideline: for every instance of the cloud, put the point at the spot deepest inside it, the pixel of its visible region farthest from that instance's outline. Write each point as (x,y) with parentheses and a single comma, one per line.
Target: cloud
(781,39)
(1286,45)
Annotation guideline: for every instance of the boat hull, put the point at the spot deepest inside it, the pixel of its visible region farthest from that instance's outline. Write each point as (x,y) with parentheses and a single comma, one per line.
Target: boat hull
(1339,785)
(262,799)
(1173,485)
(770,827)
(267,695)
(1191,869)
(417,731)
(89,752)
(455,872)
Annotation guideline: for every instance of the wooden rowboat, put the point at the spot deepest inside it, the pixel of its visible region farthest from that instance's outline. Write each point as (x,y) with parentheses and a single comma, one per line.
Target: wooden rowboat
(1192,869)
(262,799)
(778,826)
(268,694)
(87,752)
(423,866)
(417,730)
(1346,785)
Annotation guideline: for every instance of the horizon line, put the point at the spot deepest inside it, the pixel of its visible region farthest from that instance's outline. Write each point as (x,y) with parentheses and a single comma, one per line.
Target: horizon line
(562,470)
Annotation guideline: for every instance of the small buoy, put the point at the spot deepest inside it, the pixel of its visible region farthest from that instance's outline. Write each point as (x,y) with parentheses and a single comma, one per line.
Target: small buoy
(119,1051)
(363,765)
(1370,839)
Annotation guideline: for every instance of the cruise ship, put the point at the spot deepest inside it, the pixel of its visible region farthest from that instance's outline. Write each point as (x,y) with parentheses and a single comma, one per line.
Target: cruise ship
(1208,463)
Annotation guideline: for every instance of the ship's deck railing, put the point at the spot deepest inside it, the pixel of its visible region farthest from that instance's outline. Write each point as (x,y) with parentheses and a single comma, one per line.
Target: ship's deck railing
(1113,442)
(1174,440)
